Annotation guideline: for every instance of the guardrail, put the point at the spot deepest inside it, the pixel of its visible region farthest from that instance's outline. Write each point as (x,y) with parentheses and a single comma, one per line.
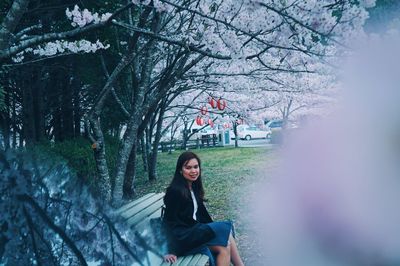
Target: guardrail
(206,141)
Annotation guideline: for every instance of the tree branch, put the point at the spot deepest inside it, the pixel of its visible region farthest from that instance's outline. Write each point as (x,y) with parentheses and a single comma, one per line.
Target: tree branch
(236,29)
(11,21)
(285,15)
(123,243)
(117,99)
(30,225)
(182,43)
(7,51)
(27,199)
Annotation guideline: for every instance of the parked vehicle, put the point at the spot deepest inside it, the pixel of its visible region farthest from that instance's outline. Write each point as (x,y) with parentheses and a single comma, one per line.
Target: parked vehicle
(252,132)
(275,124)
(207,131)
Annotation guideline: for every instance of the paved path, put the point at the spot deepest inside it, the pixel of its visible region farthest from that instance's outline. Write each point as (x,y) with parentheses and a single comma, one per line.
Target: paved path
(252,252)
(253,143)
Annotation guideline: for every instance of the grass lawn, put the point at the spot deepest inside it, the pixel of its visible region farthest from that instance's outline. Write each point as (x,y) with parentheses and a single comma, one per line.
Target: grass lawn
(229,175)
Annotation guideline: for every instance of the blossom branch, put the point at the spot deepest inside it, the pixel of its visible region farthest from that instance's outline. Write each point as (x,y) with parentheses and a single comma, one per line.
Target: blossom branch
(287,16)
(6,52)
(255,36)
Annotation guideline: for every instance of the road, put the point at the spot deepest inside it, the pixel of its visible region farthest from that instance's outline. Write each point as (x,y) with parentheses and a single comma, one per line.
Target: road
(254,143)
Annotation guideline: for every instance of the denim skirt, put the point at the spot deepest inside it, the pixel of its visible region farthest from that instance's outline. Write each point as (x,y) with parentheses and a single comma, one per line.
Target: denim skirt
(222,231)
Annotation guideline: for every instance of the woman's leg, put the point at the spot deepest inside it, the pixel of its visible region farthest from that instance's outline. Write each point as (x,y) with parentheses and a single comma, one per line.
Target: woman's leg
(223,255)
(205,251)
(235,257)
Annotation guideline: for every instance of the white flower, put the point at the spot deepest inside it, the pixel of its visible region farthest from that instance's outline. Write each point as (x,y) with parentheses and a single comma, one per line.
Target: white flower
(68,13)
(87,16)
(96,18)
(82,18)
(105,16)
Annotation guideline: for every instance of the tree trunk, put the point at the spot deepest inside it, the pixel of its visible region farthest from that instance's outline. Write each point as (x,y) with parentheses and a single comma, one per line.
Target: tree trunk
(185,135)
(7,118)
(67,109)
(131,134)
(144,152)
(2,132)
(157,138)
(153,163)
(39,113)
(55,96)
(236,134)
(129,140)
(77,113)
(103,182)
(28,121)
(125,148)
(148,144)
(130,174)
(14,122)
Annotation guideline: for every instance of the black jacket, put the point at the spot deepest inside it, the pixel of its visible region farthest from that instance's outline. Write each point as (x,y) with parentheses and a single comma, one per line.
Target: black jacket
(185,233)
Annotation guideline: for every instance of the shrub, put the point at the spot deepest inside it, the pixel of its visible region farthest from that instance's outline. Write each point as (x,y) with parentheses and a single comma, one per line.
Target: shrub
(78,155)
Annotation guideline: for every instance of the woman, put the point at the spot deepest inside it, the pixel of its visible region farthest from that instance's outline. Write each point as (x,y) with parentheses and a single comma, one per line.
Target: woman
(191,228)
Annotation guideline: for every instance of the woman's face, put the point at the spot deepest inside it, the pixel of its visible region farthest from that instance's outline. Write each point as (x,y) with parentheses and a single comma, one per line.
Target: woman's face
(191,170)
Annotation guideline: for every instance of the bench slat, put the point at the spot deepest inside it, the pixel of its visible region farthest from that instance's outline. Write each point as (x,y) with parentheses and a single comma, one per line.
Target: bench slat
(181,260)
(133,203)
(190,260)
(196,259)
(199,259)
(145,213)
(142,203)
(155,214)
(202,260)
(141,206)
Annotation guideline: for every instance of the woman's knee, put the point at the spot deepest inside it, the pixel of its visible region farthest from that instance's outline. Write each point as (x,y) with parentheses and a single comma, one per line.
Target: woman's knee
(220,250)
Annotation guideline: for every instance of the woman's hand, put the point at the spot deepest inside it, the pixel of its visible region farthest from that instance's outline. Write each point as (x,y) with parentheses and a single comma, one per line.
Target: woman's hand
(171,258)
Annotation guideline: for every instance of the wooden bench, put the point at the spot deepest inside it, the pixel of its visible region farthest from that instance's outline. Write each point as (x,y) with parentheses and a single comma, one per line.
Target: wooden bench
(137,215)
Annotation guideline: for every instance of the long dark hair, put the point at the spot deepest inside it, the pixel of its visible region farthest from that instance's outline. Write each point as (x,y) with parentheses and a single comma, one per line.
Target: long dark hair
(180,184)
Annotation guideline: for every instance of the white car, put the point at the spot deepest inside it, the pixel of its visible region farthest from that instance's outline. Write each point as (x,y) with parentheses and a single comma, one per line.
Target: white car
(253,132)
(207,131)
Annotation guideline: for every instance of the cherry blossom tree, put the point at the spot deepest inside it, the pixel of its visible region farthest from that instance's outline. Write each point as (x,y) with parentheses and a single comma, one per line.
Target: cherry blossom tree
(300,60)
(215,42)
